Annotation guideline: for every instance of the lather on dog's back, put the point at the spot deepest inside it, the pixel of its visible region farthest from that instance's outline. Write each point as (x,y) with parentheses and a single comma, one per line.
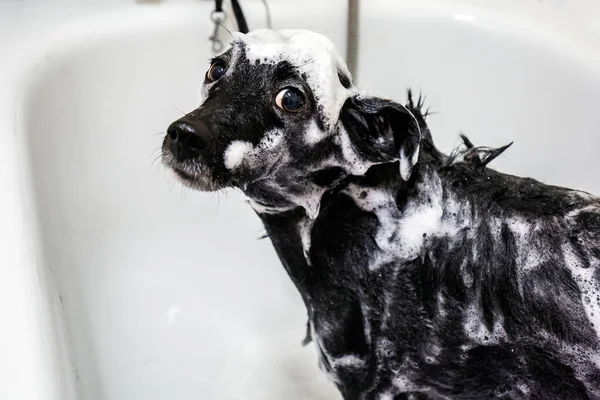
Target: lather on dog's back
(425,275)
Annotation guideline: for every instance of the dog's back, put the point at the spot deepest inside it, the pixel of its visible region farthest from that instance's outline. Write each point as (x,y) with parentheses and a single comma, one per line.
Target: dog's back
(464,283)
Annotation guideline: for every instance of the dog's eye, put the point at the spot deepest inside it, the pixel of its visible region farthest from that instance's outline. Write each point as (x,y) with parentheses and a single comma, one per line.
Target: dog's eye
(216,71)
(290,99)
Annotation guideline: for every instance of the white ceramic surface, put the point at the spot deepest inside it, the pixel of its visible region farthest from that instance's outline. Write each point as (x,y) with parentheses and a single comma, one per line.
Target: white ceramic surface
(116,283)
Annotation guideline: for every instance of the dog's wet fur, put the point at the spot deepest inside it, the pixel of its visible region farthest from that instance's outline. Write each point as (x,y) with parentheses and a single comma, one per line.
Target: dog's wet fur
(425,275)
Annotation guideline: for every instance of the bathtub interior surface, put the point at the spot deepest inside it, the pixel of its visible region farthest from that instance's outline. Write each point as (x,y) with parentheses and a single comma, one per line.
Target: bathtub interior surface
(167,293)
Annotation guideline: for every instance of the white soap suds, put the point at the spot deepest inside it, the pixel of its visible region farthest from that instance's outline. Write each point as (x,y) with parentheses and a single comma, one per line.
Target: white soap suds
(419,221)
(235,153)
(432,351)
(305,235)
(588,285)
(524,388)
(582,359)
(388,303)
(382,204)
(314,57)
(406,163)
(366,312)
(474,327)
(313,134)
(477,331)
(519,227)
(404,384)
(385,349)
(268,155)
(401,235)
(466,274)
(594,208)
(310,199)
(529,253)
(349,361)
(441,302)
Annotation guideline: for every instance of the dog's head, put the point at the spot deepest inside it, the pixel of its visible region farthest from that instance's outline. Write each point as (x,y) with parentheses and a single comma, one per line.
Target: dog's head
(279,109)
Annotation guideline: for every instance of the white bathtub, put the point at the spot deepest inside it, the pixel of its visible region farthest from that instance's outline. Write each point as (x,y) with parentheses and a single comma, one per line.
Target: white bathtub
(118,284)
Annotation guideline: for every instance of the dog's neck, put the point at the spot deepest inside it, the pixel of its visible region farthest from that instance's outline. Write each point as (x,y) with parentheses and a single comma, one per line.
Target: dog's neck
(277,196)
(379,189)
(304,183)
(410,214)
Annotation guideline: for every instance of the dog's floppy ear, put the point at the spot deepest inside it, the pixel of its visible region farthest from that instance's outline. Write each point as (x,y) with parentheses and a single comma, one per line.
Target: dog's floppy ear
(382,131)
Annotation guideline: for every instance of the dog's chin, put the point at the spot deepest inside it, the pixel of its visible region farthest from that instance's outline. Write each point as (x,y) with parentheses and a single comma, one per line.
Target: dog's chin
(202,183)
(198,181)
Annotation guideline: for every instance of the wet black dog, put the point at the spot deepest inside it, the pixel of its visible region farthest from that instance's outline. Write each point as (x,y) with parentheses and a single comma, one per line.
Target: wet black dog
(425,275)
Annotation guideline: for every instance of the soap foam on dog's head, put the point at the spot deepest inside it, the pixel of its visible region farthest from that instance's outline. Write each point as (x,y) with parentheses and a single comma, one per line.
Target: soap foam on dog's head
(314,57)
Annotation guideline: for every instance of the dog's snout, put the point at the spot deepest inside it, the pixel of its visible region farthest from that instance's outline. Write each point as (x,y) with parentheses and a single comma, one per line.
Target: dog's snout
(186,139)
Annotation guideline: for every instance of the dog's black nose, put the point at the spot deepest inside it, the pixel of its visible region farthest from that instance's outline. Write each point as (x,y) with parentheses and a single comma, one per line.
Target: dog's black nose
(185,139)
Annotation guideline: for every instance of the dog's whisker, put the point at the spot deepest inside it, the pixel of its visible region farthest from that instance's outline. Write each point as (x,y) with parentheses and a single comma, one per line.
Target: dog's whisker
(177,109)
(173,182)
(218,193)
(228,31)
(157,156)
(155,162)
